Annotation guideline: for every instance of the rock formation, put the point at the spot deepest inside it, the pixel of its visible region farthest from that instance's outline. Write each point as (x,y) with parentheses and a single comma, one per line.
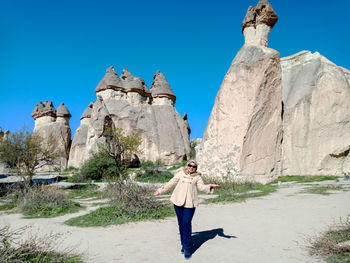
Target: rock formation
(3,167)
(127,103)
(244,131)
(316,121)
(257,24)
(48,123)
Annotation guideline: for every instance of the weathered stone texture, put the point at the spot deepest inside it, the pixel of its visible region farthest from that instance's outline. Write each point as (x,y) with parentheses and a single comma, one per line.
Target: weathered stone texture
(3,167)
(243,135)
(258,22)
(127,103)
(316,96)
(48,123)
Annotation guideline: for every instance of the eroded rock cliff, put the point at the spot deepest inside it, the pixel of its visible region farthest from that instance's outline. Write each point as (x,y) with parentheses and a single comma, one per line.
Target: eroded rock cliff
(244,131)
(127,103)
(316,123)
(49,122)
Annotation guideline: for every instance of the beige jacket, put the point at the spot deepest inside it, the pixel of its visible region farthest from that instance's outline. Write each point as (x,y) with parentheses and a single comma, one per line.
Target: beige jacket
(185,193)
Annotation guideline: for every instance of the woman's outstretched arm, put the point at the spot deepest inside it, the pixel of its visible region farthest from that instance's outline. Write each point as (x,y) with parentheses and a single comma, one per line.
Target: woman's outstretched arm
(169,185)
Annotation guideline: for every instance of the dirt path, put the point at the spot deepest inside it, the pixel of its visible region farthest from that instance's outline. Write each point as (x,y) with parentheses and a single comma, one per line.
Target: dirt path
(267,229)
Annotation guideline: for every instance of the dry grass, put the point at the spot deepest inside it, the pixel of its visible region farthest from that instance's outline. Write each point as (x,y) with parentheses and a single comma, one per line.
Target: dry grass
(34,249)
(128,202)
(329,243)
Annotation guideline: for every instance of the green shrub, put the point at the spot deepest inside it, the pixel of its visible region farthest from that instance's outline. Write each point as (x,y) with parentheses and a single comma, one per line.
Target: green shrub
(98,166)
(45,201)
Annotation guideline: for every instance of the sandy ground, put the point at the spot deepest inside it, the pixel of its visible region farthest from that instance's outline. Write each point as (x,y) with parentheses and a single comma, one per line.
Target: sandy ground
(273,228)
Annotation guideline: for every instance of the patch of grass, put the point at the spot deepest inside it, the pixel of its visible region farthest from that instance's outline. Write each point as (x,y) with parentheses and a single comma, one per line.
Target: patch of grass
(328,244)
(45,201)
(112,215)
(304,178)
(83,191)
(128,202)
(153,173)
(231,191)
(7,206)
(175,167)
(39,250)
(322,190)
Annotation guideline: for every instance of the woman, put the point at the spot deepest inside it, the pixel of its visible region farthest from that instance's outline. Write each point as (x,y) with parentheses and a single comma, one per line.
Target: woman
(185,200)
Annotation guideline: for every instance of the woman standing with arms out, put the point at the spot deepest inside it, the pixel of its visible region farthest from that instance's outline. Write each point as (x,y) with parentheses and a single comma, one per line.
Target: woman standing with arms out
(185,200)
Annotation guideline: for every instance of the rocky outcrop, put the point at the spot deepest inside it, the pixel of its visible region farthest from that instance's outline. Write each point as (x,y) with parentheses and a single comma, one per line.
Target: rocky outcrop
(316,122)
(3,137)
(49,122)
(126,102)
(257,24)
(244,131)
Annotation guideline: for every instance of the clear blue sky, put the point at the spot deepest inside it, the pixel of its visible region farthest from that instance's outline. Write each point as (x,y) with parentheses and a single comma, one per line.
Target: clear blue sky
(59,50)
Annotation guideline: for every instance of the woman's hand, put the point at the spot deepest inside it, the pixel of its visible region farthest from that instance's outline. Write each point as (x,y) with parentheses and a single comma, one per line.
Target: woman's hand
(156,192)
(214,186)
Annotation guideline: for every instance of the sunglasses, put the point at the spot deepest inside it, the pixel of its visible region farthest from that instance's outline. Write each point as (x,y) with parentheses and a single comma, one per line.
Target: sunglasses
(193,166)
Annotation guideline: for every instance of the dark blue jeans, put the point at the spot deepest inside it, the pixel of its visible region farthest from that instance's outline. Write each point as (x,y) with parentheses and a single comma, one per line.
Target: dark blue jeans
(184,218)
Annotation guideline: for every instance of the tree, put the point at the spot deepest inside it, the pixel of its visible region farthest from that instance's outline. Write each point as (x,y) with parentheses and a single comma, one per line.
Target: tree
(119,147)
(25,152)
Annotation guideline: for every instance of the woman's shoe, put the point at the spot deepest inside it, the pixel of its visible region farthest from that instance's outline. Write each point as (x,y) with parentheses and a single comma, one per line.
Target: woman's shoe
(187,254)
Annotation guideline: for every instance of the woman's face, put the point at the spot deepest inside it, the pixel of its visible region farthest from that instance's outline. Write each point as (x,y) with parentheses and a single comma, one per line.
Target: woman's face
(192,167)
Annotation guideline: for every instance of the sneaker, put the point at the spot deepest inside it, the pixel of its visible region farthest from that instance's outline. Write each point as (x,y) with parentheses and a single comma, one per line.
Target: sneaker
(187,254)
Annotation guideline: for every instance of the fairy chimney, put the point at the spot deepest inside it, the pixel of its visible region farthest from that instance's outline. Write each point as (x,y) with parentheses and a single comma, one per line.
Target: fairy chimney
(257,23)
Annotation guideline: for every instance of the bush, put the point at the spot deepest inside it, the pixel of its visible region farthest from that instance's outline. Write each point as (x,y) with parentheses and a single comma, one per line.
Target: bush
(14,250)
(97,167)
(128,202)
(329,243)
(153,172)
(131,198)
(44,201)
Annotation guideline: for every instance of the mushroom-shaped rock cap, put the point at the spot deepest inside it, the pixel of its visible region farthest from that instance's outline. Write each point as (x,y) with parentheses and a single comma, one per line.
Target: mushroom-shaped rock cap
(62,111)
(161,87)
(262,13)
(110,80)
(132,83)
(87,112)
(44,109)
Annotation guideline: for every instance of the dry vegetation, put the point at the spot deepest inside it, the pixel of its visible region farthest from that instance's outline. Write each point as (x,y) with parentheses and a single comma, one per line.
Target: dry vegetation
(13,249)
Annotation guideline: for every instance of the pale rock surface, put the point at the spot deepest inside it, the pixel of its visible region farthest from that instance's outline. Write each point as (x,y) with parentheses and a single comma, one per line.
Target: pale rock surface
(316,96)
(127,103)
(48,123)
(3,137)
(244,131)
(78,152)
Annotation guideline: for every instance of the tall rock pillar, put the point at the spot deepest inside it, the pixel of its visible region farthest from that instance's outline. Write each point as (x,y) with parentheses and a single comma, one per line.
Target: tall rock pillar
(244,131)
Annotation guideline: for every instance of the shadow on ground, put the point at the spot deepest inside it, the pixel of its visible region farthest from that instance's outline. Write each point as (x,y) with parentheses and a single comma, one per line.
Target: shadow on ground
(199,238)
